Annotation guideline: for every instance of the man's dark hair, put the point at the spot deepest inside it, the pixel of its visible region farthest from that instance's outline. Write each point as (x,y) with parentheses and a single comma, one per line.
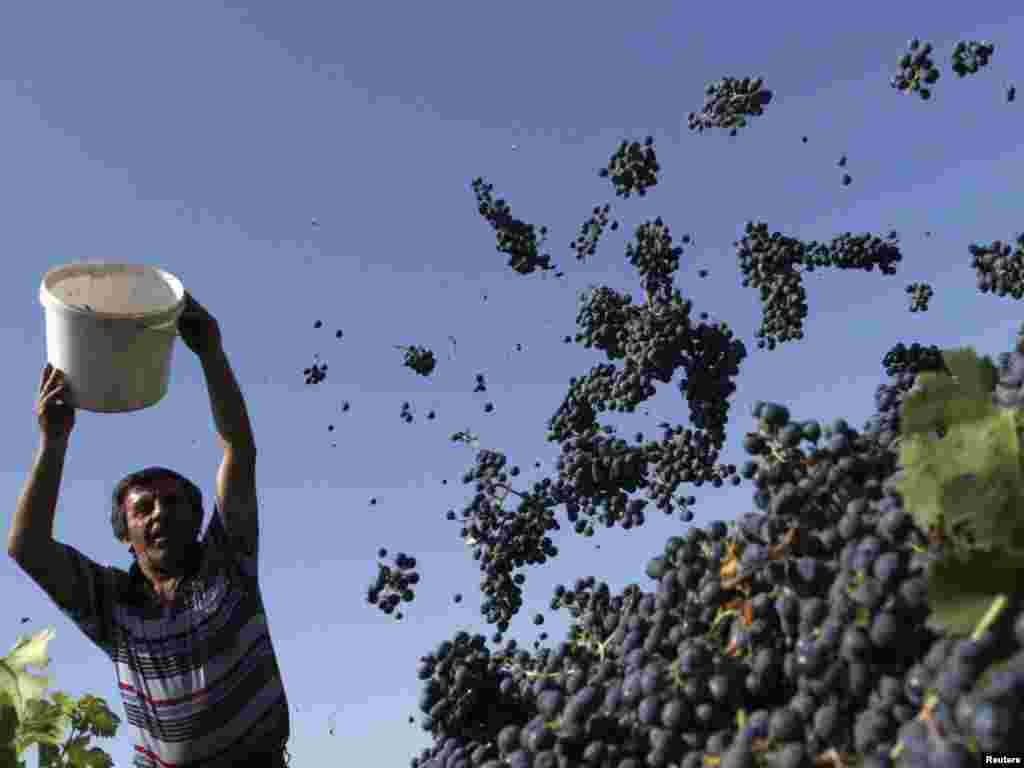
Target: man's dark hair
(119,521)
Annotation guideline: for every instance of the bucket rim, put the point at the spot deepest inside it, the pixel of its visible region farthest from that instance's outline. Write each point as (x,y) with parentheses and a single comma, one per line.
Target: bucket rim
(155,317)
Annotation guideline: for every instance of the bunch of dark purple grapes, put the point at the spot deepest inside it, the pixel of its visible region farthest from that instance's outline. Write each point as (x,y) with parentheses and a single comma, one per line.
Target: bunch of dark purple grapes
(393,585)
(970,55)
(316,373)
(515,238)
(632,168)
(920,295)
(504,540)
(999,267)
(654,258)
(917,70)
(769,262)
(591,230)
(729,102)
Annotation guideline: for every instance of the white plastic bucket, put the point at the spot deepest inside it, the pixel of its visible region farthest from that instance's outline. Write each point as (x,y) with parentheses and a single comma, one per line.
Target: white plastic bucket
(110,327)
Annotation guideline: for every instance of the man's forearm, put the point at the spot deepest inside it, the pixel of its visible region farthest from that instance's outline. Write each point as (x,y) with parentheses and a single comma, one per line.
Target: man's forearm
(229,412)
(34,513)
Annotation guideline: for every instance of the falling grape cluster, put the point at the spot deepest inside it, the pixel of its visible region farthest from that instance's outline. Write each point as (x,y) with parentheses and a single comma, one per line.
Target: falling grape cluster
(632,168)
(393,585)
(654,341)
(769,263)
(590,232)
(418,359)
(917,70)
(729,102)
(971,55)
(515,238)
(920,294)
(406,414)
(315,373)
(999,267)
(654,258)
(502,539)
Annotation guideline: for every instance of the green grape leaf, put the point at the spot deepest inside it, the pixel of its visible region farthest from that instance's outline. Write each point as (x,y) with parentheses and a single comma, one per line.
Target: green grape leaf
(939,398)
(16,681)
(961,587)
(970,483)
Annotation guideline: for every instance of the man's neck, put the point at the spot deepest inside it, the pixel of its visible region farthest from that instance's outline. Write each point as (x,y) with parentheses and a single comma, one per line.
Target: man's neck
(164,584)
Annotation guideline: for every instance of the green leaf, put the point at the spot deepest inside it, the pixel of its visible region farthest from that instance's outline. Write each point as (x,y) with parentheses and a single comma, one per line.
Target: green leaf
(969,483)
(938,398)
(962,587)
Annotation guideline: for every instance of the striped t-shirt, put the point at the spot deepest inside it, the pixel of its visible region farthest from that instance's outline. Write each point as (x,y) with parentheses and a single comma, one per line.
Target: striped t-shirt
(198,678)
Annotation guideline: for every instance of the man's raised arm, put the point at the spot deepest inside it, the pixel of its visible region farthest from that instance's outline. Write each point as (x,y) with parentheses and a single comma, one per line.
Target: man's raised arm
(33,516)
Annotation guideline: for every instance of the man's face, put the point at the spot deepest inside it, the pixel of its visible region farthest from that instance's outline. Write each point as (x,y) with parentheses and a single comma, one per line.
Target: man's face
(161,523)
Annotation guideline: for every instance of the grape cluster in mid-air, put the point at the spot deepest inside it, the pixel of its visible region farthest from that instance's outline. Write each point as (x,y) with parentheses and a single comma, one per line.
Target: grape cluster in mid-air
(504,540)
(970,55)
(419,359)
(591,230)
(515,238)
(315,373)
(920,294)
(654,258)
(917,70)
(632,168)
(729,102)
(655,340)
(769,263)
(393,585)
(999,267)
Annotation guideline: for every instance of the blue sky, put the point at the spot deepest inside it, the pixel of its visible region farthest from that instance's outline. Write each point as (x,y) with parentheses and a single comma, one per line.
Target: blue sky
(204,138)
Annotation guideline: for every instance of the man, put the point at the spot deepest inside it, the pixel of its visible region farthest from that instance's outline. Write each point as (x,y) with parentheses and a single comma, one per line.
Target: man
(185,627)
